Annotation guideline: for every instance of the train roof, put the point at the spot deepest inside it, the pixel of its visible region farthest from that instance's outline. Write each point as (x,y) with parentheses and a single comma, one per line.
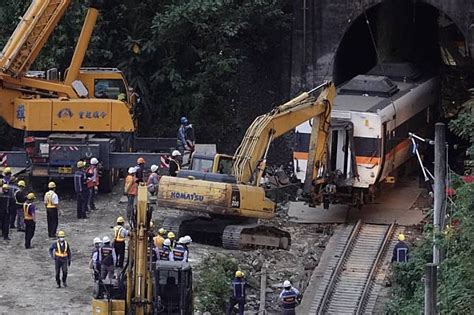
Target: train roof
(365,100)
(373,91)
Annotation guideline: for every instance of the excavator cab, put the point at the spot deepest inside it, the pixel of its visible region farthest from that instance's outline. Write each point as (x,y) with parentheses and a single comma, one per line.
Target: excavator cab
(174,287)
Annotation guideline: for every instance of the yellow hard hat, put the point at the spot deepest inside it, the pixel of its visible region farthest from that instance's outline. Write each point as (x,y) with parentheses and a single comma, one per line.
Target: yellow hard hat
(120,220)
(162,231)
(401,237)
(80,164)
(61,234)
(51,185)
(5,187)
(7,170)
(21,183)
(30,196)
(171,235)
(239,274)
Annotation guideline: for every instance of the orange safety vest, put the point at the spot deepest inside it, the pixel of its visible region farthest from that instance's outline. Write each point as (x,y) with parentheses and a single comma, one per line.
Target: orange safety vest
(118,237)
(130,185)
(58,252)
(26,213)
(49,200)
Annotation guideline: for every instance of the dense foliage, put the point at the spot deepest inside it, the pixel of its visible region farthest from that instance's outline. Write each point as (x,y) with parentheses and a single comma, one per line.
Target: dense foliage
(183,57)
(456,275)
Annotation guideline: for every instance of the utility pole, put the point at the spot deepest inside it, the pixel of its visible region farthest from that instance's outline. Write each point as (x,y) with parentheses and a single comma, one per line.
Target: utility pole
(431,283)
(439,186)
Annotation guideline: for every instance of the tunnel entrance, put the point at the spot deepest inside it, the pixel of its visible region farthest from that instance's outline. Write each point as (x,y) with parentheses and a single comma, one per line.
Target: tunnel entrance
(399,31)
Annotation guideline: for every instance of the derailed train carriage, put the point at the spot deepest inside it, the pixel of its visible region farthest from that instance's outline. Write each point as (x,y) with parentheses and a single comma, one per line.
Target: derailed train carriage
(370,121)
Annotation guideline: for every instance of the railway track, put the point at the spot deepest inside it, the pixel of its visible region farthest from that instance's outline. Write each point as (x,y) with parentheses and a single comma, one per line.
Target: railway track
(350,282)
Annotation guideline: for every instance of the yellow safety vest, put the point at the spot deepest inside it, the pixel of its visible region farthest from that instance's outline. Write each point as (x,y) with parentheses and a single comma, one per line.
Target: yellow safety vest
(58,252)
(26,214)
(118,237)
(49,200)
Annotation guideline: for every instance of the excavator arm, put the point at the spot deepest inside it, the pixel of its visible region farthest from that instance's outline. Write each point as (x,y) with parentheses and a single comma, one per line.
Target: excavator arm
(250,156)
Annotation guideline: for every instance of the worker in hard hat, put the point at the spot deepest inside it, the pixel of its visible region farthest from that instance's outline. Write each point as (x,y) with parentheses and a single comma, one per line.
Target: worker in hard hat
(180,253)
(165,252)
(7,176)
(92,181)
(130,189)
(401,250)
(51,202)
(108,259)
(153,180)
(238,294)
(290,297)
(172,237)
(186,241)
(120,233)
(82,193)
(61,253)
(185,136)
(29,215)
(19,197)
(175,162)
(95,264)
(5,208)
(160,238)
(140,174)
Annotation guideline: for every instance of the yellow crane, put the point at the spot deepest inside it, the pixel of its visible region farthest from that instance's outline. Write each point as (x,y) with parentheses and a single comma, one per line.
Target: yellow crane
(86,114)
(231,191)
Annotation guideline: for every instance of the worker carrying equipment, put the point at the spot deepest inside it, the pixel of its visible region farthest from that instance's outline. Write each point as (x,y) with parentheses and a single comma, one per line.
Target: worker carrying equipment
(51,203)
(238,294)
(60,251)
(401,250)
(120,233)
(290,297)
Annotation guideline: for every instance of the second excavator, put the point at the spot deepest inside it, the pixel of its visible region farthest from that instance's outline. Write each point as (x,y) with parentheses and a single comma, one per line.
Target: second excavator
(226,199)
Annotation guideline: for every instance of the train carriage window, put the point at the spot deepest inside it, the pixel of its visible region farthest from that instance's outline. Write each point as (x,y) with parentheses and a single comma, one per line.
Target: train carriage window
(110,89)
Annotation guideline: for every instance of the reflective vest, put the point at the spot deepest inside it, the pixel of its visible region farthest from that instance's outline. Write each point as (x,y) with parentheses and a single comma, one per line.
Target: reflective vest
(288,299)
(107,258)
(130,185)
(58,252)
(238,288)
(49,200)
(178,252)
(18,202)
(26,212)
(94,179)
(165,253)
(118,237)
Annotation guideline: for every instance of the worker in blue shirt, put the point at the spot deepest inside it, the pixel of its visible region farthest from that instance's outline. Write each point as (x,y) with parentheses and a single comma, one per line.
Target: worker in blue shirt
(82,192)
(238,293)
(289,298)
(400,251)
(61,253)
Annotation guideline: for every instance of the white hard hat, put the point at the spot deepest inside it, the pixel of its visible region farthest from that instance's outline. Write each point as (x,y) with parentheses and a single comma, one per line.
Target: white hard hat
(106,239)
(154,168)
(167,242)
(287,284)
(187,239)
(175,153)
(181,240)
(94,161)
(97,240)
(132,170)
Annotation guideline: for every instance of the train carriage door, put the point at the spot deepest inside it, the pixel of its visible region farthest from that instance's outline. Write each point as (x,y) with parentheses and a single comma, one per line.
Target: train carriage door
(341,158)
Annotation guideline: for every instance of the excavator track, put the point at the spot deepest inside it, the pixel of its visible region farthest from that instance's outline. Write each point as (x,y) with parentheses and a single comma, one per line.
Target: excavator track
(225,233)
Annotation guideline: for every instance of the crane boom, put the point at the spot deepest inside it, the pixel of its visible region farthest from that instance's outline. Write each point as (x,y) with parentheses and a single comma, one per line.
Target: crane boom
(250,156)
(31,35)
